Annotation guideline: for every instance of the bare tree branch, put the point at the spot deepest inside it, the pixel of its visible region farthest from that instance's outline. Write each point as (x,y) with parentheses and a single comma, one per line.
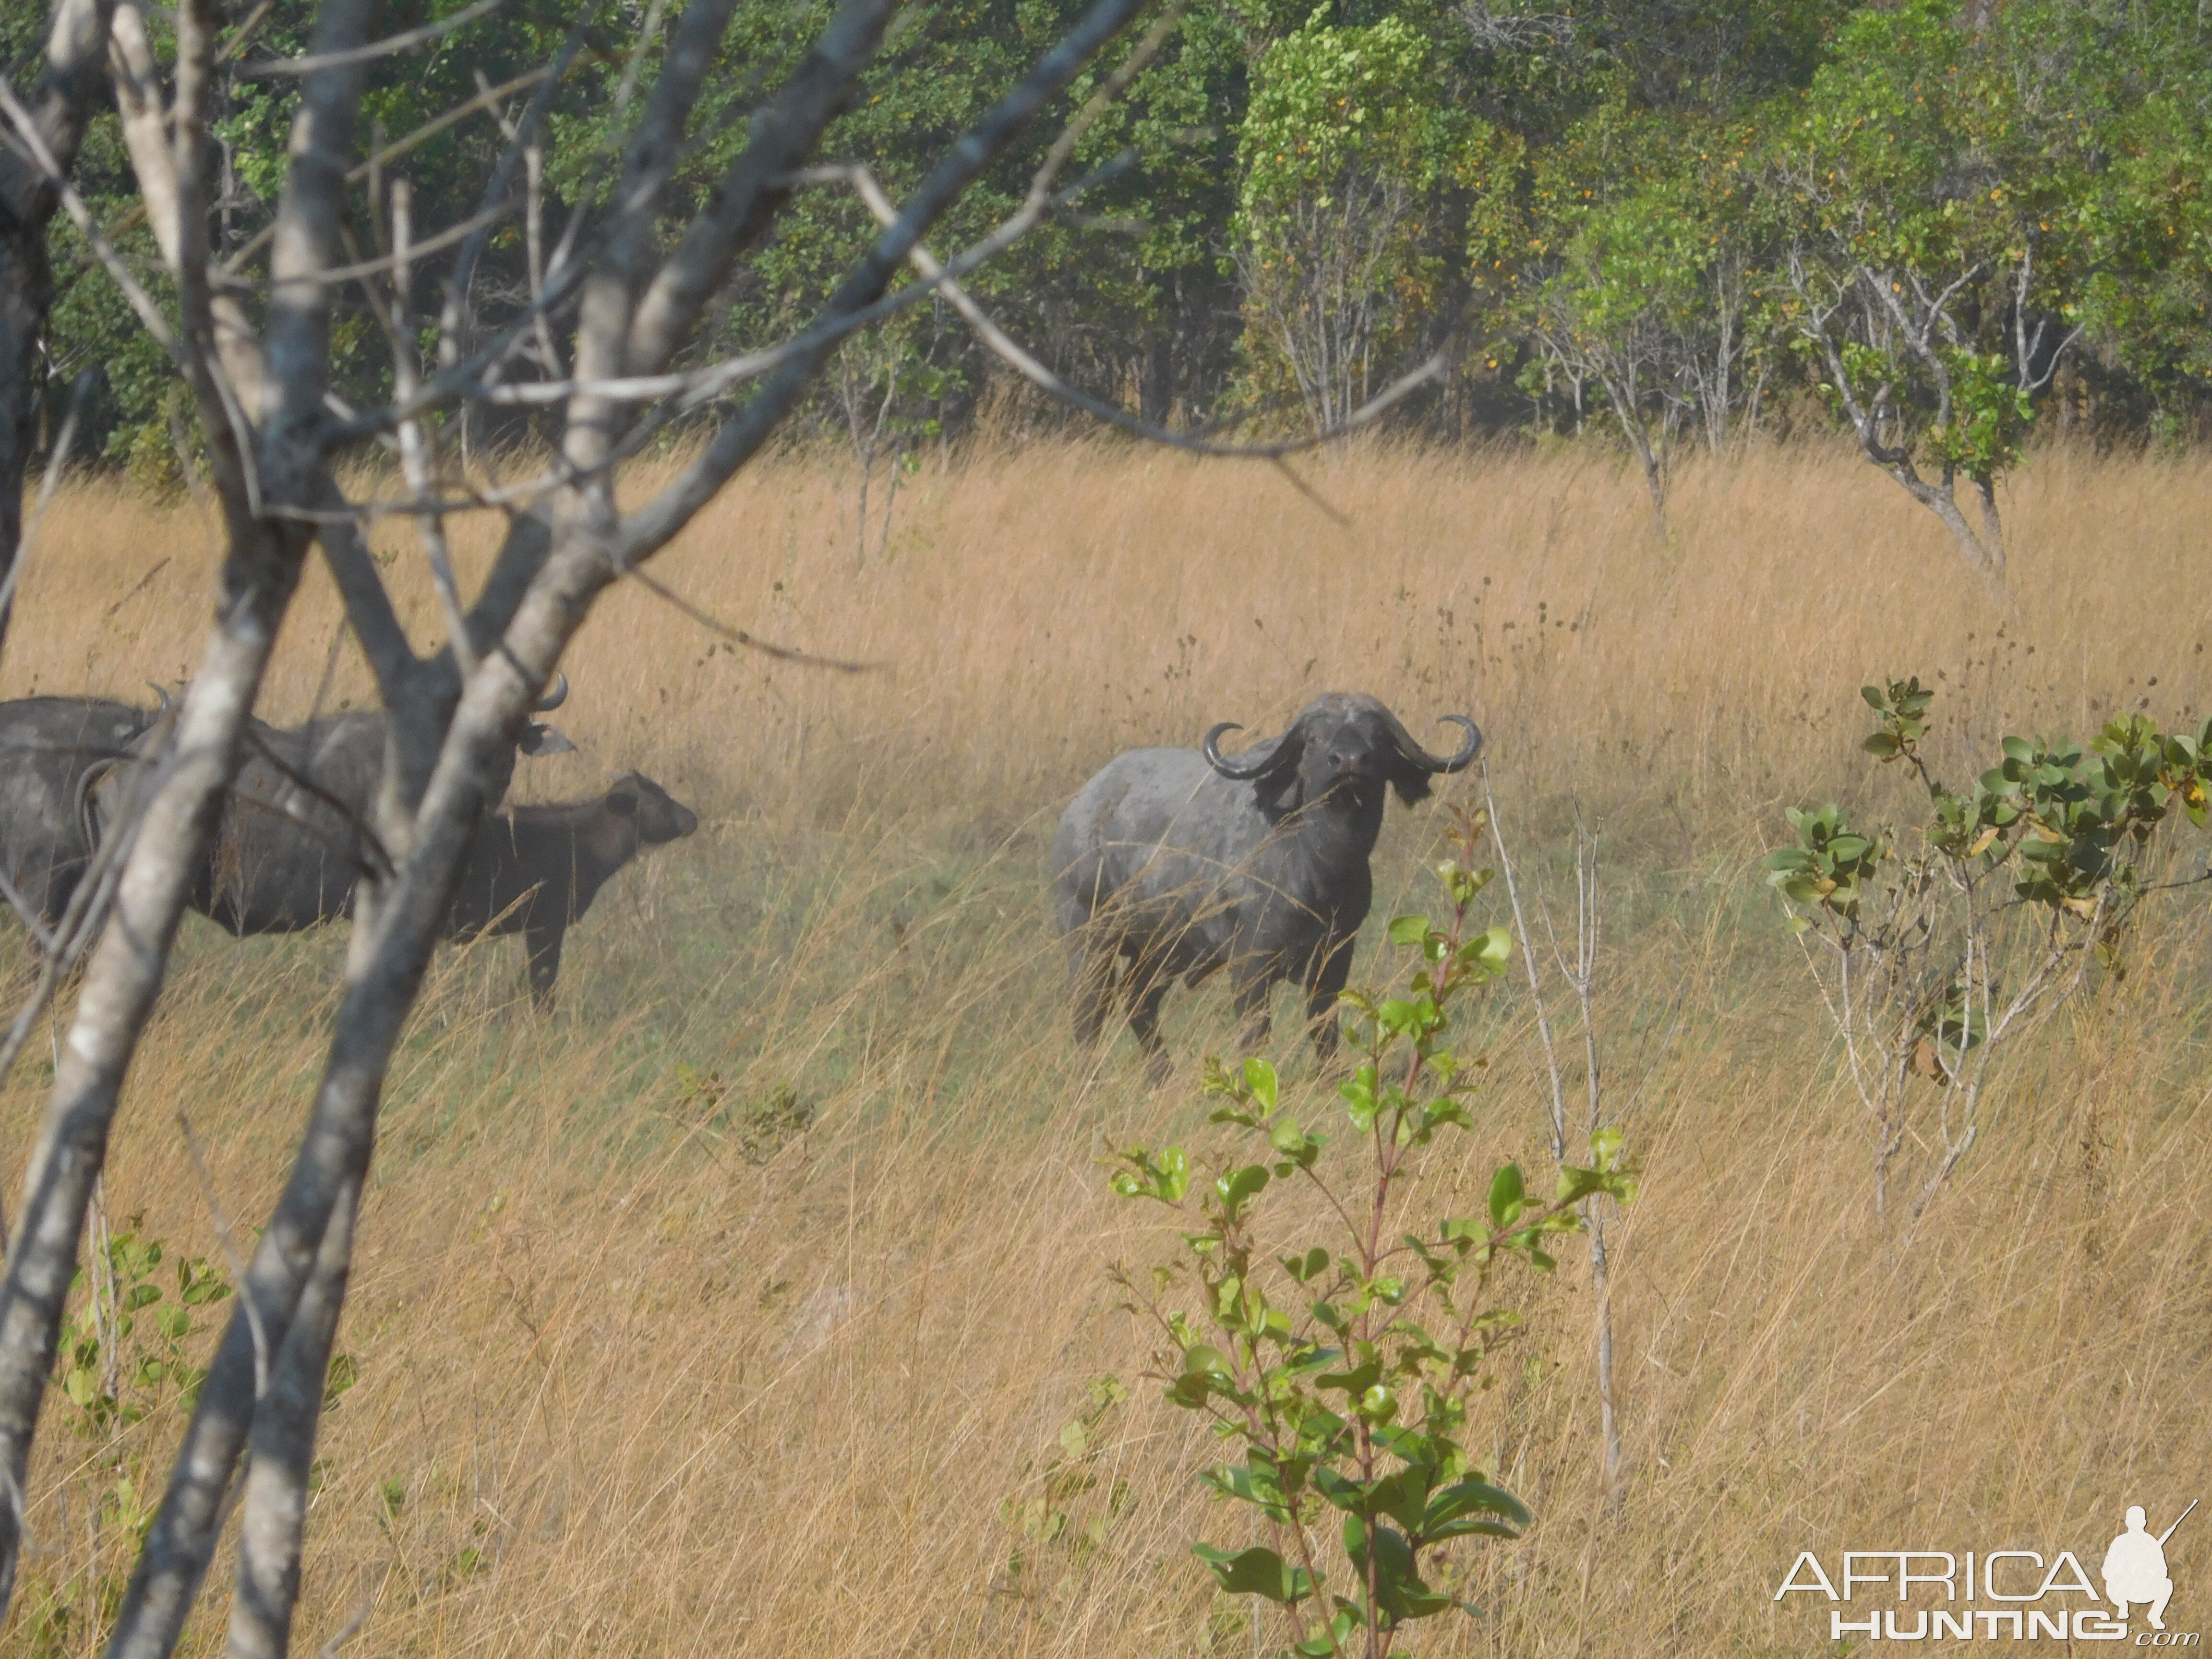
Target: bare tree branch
(650,527)
(391,46)
(487,99)
(452,720)
(283,1443)
(126,971)
(739,636)
(1039,375)
(744,201)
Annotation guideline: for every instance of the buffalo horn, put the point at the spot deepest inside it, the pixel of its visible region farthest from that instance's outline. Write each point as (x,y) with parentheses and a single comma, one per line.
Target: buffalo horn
(1422,759)
(1250,765)
(553,698)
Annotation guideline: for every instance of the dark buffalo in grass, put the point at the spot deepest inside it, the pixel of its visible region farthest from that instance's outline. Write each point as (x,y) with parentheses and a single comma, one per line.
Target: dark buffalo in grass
(293,838)
(534,870)
(1179,862)
(49,748)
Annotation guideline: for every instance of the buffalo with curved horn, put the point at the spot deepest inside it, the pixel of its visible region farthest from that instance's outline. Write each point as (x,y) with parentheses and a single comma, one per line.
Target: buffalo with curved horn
(49,747)
(289,844)
(1177,862)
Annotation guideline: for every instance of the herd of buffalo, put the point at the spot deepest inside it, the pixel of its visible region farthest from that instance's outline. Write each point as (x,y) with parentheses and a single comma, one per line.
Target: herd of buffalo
(292,839)
(1170,863)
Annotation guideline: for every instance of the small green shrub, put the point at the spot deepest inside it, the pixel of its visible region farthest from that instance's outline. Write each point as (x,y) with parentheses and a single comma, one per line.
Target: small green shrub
(1948,941)
(1343,1371)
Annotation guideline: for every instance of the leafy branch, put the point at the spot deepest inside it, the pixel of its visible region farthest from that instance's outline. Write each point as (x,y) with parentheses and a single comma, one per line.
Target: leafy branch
(1344,1370)
(1937,958)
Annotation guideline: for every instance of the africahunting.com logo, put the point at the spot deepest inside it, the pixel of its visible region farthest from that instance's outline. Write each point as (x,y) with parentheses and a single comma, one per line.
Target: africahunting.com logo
(1999,1594)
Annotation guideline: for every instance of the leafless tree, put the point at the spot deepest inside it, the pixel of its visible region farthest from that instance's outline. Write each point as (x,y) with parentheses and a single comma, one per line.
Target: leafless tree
(1631,361)
(1717,367)
(254,351)
(1320,286)
(1581,976)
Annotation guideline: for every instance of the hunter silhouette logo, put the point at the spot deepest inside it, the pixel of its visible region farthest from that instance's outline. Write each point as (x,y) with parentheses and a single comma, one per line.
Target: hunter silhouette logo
(2000,1595)
(2135,1567)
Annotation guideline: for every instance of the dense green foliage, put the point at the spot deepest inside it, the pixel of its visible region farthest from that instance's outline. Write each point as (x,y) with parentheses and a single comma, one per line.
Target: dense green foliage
(1669,221)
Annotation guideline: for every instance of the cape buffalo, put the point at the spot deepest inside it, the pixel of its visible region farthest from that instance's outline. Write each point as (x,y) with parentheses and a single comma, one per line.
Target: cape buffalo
(287,847)
(1181,861)
(535,870)
(48,746)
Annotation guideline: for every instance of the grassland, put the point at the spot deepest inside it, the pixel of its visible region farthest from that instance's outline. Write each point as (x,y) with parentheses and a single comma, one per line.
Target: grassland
(636,1379)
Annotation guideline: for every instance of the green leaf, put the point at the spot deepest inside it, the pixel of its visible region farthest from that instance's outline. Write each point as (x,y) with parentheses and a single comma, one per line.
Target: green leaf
(1398,1016)
(1260,1078)
(1508,1195)
(1359,1092)
(1256,1571)
(1336,1639)
(1493,948)
(1201,1358)
(1258,1486)
(1166,1177)
(1409,930)
(1239,1187)
(1472,1507)
(1205,1371)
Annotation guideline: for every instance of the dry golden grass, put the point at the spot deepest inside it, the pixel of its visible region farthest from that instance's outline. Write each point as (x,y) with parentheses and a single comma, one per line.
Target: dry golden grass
(625,1390)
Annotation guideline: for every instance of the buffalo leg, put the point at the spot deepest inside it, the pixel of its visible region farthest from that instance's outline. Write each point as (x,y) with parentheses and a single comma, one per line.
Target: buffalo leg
(1145,998)
(1249,998)
(1090,987)
(1320,998)
(542,947)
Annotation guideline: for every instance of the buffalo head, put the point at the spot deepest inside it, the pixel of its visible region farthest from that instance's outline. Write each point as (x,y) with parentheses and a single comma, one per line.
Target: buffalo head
(660,817)
(1345,744)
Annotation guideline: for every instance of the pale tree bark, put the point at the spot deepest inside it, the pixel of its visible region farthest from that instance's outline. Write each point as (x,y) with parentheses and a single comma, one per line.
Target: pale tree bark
(61,103)
(1911,321)
(1581,976)
(455,712)
(1628,363)
(284,1443)
(126,969)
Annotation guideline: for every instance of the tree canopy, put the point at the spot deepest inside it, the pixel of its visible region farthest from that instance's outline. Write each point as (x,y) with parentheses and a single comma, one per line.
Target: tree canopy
(1935,223)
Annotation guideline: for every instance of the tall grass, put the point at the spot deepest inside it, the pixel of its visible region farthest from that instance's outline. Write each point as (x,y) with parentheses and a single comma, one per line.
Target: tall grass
(633,1380)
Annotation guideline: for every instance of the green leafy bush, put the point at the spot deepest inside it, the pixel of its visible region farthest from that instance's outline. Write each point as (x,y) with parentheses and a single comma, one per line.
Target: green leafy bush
(1343,1371)
(1947,942)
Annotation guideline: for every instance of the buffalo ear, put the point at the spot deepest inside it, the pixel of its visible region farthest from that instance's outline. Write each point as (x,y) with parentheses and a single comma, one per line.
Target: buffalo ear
(540,738)
(624,803)
(1412,784)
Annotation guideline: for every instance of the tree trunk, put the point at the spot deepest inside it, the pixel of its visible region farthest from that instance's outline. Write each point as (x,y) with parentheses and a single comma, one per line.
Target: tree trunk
(1984,552)
(60,103)
(1156,381)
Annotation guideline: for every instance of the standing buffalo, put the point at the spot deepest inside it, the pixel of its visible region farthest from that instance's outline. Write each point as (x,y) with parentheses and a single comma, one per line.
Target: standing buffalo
(1182,862)
(289,845)
(536,869)
(48,745)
